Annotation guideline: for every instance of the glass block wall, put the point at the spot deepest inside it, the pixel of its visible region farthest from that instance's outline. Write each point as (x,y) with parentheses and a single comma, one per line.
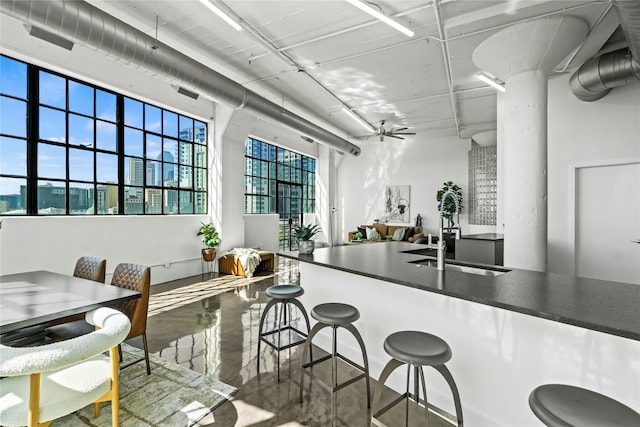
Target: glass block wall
(483,185)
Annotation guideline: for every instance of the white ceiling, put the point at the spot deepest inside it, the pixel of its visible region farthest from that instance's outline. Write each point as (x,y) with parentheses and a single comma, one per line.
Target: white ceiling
(314,57)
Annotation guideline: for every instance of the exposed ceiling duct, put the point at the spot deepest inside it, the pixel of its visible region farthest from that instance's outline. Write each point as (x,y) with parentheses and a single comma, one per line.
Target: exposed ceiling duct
(87,25)
(596,77)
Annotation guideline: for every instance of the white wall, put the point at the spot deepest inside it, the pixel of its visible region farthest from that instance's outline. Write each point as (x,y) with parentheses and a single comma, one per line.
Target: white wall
(581,133)
(424,165)
(55,243)
(261,232)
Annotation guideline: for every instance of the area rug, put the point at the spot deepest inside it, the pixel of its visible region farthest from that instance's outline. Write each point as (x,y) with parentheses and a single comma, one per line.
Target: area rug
(171,396)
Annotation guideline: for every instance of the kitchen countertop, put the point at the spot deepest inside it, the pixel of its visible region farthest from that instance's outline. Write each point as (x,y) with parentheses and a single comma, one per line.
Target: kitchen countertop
(483,236)
(599,305)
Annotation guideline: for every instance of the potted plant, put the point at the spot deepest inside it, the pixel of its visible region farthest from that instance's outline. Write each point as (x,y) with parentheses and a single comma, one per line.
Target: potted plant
(304,233)
(449,199)
(357,237)
(211,238)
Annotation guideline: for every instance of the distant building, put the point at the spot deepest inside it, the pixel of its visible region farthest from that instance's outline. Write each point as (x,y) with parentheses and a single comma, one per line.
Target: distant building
(10,202)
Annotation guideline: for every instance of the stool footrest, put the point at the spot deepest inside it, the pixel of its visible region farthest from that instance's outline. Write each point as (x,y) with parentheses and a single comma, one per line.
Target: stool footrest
(391,405)
(271,339)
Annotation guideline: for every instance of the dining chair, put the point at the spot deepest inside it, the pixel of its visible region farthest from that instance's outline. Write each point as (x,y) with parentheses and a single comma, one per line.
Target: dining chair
(129,276)
(136,278)
(91,268)
(41,384)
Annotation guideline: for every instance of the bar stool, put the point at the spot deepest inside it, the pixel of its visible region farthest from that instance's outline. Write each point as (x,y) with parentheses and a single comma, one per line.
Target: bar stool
(335,315)
(559,405)
(415,349)
(282,296)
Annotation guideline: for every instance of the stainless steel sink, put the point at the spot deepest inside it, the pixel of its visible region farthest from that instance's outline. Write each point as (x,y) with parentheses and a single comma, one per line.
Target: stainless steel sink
(463,268)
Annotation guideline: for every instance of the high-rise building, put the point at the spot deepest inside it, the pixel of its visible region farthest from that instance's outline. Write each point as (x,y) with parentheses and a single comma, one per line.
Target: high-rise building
(136,172)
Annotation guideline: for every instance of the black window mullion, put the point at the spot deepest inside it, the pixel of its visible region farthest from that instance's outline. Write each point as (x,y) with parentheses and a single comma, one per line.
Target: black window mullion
(120,151)
(67,185)
(33,95)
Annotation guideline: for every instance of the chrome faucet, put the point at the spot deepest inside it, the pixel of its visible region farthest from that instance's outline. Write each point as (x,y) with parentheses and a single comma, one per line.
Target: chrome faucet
(442,251)
(442,245)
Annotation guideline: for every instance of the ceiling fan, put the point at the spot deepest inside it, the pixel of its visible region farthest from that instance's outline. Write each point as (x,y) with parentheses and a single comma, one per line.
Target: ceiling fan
(392,133)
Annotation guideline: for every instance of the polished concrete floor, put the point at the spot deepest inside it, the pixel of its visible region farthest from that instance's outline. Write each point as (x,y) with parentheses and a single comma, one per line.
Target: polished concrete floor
(218,334)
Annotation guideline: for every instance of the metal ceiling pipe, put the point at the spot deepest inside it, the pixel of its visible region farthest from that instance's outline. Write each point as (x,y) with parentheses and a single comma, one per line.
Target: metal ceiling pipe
(596,77)
(87,25)
(629,15)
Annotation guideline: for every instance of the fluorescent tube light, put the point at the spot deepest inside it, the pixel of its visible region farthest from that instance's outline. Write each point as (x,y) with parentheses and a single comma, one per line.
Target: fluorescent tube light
(381,17)
(491,82)
(359,119)
(221,14)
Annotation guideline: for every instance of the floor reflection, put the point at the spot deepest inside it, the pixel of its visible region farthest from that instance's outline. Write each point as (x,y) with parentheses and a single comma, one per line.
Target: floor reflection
(212,327)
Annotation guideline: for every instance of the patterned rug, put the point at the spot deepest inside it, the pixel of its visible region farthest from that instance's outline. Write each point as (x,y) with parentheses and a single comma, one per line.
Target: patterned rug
(171,396)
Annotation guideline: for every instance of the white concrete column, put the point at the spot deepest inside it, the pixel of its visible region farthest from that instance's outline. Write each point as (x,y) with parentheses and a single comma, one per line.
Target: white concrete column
(526,171)
(521,56)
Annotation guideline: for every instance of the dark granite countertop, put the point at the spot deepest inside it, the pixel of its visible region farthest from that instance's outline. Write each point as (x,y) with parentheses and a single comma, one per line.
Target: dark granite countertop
(483,236)
(599,305)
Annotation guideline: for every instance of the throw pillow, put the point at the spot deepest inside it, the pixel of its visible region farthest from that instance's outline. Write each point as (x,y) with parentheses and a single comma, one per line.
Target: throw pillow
(409,233)
(372,234)
(363,230)
(399,234)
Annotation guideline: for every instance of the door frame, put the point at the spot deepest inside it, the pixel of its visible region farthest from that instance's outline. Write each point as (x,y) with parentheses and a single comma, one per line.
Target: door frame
(574,169)
(301,213)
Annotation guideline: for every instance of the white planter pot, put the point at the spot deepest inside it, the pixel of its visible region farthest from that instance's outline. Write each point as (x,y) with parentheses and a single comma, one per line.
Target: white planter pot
(306,246)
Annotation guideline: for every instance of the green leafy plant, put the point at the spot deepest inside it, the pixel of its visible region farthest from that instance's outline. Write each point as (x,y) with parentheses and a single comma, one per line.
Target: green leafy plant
(358,235)
(452,203)
(210,236)
(306,232)
(389,237)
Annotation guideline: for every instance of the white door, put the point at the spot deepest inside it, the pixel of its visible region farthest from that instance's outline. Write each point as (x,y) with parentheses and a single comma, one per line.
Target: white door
(608,222)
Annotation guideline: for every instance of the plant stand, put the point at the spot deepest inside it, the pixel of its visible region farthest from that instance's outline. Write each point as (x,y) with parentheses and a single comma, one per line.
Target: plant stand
(208,268)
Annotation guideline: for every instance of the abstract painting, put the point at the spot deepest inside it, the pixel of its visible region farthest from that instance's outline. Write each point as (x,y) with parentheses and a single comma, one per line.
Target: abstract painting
(396,203)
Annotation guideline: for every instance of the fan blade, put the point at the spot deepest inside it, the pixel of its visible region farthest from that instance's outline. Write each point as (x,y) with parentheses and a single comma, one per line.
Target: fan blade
(401,133)
(398,130)
(393,136)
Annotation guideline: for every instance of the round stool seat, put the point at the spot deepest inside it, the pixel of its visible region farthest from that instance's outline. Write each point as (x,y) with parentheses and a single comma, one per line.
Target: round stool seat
(417,348)
(565,405)
(285,291)
(334,313)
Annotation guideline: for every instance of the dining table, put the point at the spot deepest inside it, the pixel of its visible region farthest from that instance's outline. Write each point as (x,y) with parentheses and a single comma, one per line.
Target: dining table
(36,297)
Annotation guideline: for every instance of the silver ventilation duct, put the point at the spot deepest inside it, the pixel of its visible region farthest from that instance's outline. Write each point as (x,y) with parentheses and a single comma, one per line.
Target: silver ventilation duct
(596,77)
(87,25)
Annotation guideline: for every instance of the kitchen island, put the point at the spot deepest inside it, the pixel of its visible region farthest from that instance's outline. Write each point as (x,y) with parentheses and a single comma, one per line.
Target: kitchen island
(509,332)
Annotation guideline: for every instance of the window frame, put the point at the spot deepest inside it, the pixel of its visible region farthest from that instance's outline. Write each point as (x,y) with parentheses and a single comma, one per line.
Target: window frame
(186,192)
(279,165)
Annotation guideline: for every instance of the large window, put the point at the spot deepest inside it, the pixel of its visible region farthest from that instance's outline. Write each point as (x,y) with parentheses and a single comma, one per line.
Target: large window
(279,181)
(71,148)
(267,165)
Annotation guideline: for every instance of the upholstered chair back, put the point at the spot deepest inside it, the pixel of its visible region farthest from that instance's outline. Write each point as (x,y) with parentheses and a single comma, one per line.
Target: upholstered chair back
(91,268)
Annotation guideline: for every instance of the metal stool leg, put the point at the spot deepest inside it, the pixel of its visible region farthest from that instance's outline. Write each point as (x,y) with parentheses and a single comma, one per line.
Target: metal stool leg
(317,328)
(306,319)
(349,327)
(283,309)
(268,307)
(454,390)
(424,391)
(406,401)
(391,366)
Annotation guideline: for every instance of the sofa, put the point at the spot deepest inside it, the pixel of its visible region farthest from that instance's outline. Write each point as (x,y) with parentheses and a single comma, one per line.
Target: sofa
(385,230)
